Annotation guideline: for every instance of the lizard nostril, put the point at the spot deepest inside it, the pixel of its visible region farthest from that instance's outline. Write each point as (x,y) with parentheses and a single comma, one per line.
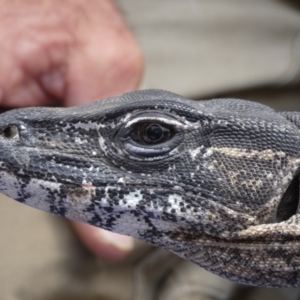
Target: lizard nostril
(10,132)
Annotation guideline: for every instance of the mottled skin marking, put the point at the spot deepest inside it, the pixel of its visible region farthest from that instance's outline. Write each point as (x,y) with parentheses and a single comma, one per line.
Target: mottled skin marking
(209,192)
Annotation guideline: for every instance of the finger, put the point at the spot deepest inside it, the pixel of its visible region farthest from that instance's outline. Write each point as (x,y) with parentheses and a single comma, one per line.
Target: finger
(28,93)
(99,69)
(103,243)
(18,89)
(53,82)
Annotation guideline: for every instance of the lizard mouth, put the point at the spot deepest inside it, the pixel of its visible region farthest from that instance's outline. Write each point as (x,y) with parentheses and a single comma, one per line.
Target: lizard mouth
(289,203)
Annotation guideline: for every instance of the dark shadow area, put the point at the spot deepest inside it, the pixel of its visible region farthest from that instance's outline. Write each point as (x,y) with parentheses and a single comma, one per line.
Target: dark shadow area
(295,4)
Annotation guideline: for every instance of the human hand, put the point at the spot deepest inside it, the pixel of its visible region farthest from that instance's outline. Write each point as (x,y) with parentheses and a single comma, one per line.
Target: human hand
(68,52)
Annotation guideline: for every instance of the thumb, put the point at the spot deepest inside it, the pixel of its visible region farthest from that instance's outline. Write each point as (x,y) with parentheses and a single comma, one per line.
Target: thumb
(103,243)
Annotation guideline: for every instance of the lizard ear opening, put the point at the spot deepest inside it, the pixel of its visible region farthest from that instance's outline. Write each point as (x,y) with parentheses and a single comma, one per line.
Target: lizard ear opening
(289,203)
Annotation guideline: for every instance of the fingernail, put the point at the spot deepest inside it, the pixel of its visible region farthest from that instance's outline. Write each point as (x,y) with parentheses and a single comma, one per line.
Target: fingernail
(120,242)
(54,82)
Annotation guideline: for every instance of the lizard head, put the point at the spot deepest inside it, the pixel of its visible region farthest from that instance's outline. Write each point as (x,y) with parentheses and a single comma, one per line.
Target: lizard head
(213,181)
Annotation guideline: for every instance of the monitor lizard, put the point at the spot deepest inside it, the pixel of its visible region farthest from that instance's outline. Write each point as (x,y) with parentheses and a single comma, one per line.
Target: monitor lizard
(216,181)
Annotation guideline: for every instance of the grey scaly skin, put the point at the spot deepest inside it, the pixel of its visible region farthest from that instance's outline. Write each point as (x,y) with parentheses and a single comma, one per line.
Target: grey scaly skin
(215,182)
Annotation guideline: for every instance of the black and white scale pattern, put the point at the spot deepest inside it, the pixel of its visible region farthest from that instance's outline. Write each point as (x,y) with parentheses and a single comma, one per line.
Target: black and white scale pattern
(221,190)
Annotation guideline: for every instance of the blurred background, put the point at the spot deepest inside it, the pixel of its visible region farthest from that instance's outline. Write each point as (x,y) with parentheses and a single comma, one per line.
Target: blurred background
(199,49)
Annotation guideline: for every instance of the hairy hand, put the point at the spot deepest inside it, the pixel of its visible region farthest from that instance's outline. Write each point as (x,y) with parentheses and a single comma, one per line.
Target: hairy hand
(67,52)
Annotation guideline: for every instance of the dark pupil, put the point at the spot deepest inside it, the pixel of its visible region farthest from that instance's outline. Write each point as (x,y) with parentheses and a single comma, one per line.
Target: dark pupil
(151,133)
(154,132)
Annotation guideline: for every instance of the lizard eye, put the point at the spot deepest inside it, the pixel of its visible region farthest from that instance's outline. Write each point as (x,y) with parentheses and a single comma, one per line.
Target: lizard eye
(150,136)
(151,133)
